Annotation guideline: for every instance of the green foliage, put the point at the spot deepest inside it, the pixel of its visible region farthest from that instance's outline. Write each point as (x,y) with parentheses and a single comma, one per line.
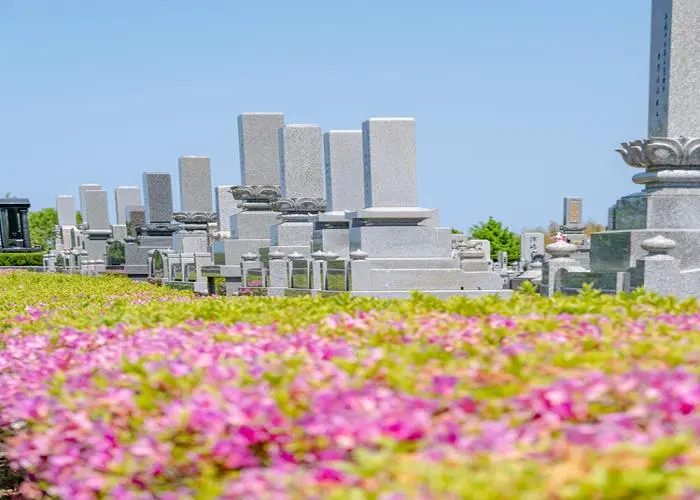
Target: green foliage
(42,227)
(457,231)
(21,259)
(501,237)
(78,217)
(116,254)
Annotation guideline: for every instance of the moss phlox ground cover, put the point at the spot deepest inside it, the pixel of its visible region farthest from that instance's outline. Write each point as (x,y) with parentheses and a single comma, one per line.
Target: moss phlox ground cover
(110,389)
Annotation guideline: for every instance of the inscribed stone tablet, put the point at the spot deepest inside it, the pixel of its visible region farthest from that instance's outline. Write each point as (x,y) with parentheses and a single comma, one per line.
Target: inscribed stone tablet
(573,208)
(674,80)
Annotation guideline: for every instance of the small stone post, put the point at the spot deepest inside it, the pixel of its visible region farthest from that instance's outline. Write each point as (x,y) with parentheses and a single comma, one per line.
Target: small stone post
(561,252)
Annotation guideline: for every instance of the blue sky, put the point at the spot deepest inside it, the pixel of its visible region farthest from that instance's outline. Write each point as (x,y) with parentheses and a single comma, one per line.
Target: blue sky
(518,104)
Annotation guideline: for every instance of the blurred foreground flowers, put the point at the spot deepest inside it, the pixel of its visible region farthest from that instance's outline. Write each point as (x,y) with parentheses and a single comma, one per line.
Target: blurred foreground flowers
(110,389)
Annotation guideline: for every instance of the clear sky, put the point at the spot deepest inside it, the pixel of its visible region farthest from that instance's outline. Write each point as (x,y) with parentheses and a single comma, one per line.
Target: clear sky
(518,103)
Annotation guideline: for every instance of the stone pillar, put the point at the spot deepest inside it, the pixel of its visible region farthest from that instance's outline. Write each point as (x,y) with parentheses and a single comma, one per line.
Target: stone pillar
(318,271)
(24,218)
(658,272)
(279,274)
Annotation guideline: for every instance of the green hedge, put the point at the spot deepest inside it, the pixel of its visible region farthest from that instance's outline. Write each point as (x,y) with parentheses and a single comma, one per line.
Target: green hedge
(21,259)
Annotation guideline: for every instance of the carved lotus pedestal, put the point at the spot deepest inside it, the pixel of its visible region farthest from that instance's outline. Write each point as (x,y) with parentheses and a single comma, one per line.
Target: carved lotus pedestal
(294,231)
(250,231)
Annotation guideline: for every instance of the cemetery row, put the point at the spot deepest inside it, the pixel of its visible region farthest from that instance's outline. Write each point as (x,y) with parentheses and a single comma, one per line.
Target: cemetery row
(318,213)
(338,212)
(115,389)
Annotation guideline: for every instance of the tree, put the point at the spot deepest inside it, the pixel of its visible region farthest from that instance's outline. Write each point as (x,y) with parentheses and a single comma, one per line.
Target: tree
(42,228)
(456,231)
(593,227)
(78,217)
(501,237)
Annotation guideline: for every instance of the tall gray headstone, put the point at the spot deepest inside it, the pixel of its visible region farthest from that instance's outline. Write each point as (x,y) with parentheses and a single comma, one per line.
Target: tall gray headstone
(259,150)
(674,77)
(65,206)
(97,213)
(573,211)
(195,184)
(389,146)
(226,206)
(158,197)
(301,161)
(125,196)
(344,170)
(81,189)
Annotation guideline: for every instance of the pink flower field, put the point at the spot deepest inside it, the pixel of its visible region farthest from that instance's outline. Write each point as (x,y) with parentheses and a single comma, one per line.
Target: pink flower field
(385,402)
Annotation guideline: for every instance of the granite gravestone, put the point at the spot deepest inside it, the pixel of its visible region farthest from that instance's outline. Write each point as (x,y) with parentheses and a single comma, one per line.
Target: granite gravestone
(573,208)
(301,161)
(531,246)
(389,146)
(97,213)
(258,148)
(391,252)
(98,228)
(674,77)
(301,173)
(249,224)
(81,190)
(125,196)
(344,170)
(158,197)
(344,190)
(65,207)
(195,184)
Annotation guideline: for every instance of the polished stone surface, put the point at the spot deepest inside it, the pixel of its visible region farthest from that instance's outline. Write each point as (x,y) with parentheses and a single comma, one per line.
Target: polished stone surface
(97,213)
(195,184)
(158,197)
(674,77)
(301,161)
(65,207)
(258,147)
(252,224)
(81,190)
(389,146)
(344,170)
(401,241)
